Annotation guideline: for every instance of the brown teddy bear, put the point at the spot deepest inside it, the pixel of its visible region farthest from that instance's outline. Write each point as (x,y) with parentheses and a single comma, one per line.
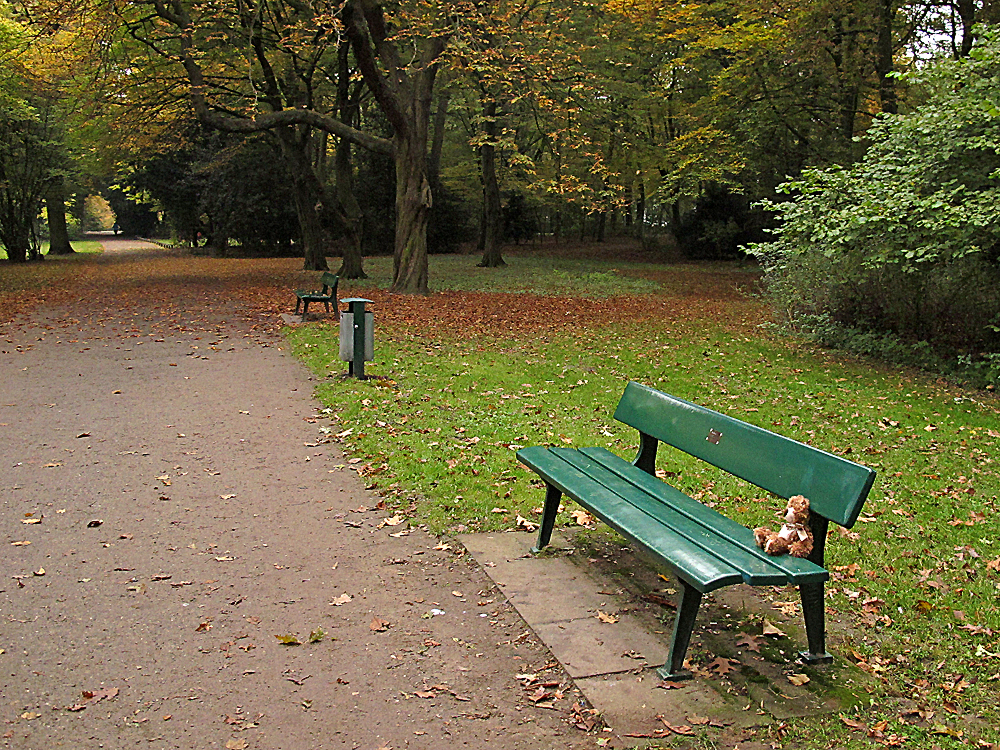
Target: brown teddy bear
(794,537)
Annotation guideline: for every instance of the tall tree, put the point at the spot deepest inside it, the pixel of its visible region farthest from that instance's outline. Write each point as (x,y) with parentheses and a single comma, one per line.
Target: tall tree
(291,51)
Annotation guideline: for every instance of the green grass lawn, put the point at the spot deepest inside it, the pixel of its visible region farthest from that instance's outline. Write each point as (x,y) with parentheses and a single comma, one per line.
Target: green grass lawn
(919,575)
(81,246)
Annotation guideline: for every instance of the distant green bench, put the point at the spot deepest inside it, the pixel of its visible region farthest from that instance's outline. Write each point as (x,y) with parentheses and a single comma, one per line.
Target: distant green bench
(702,548)
(327,295)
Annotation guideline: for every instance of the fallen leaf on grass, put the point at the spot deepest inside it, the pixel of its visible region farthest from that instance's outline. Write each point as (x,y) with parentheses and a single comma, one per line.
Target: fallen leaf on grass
(605,617)
(582,518)
(772,630)
(524,523)
(798,679)
(721,665)
(749,642)
(378,626)
(948,731)
(854,724)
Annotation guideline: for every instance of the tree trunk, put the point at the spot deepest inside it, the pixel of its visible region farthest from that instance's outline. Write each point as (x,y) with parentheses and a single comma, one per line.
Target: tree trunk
(440,118)
(413,189)
(307,193)
(413,203)
(967,15)
(492,216)
(883,57)
(55,209)
(640,211)
(352,264)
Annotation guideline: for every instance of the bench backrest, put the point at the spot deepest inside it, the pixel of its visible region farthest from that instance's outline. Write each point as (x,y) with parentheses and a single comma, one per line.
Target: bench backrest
(329,281)
(836,487)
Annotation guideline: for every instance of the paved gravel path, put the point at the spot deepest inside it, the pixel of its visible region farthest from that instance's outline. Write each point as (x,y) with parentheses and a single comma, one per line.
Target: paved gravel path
(168,508)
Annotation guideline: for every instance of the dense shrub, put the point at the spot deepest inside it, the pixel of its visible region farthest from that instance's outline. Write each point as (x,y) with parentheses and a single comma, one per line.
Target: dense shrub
(905,245)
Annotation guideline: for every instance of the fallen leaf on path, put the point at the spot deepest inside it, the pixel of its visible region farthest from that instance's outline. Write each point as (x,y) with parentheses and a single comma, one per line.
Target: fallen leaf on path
(317,635)
(289,639)
(683,729)
(378,626)
(39,572)
(19,544)
(670,685)
(225,558)
(95,523)
(798,679)
(341,600)
(605,617)
(31,520)
(236,745)
(204,627)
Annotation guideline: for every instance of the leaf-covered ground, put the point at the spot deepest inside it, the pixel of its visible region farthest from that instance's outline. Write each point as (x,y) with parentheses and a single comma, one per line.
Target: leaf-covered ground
(539,352)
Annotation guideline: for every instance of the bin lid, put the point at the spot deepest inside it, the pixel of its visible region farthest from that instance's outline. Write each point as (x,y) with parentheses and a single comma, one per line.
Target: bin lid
(354,299)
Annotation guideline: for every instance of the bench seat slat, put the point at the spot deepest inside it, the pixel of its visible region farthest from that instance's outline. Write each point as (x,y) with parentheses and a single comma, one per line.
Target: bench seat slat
(714,533)
(796,569)
(674,550)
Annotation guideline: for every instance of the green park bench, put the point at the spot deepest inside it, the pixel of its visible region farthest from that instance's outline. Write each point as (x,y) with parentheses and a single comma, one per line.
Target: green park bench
(326,295)
(704,549)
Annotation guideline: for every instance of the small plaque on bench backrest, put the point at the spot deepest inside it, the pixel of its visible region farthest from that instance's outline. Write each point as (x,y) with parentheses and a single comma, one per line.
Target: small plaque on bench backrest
(714,436)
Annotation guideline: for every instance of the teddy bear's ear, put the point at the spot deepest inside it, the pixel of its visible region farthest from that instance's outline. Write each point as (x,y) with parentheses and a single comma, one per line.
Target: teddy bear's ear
(760,536)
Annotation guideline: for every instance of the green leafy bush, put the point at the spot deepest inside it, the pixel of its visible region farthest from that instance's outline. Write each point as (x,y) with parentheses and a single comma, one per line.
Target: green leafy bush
(906,243)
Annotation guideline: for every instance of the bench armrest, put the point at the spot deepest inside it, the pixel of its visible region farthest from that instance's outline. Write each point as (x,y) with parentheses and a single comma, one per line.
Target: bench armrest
(645,459)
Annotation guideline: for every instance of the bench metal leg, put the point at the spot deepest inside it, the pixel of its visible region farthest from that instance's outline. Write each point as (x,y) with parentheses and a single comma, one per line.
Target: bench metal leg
(687,611)
(552,497)
(814,611)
